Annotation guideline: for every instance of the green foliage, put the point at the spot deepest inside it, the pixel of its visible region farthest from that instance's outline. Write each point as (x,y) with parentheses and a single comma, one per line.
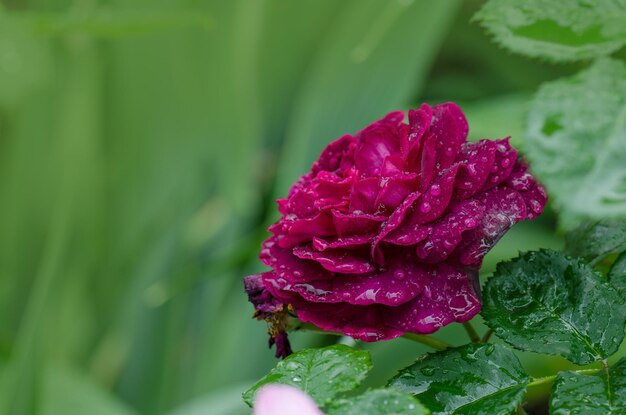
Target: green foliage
(589,394)
(595,240)
(379,402)
(322,373)
(617,274)
(575,141)
(556,30)
(469,380)
(548,303)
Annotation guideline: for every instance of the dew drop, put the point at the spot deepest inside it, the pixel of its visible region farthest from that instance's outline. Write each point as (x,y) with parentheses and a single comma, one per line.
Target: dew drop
(489,350)
(435,190)
(470,222)
(535,205)
(505,162)
(425,207)
(399,274)
(427,371)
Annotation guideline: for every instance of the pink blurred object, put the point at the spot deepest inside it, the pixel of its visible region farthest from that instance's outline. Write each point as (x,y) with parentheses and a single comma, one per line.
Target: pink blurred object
(284,400)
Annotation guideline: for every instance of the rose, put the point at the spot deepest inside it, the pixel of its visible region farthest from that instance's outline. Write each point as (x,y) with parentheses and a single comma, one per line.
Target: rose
(387,232)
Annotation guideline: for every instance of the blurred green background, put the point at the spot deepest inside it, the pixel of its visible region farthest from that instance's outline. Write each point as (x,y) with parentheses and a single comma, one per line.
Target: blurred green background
(142,144)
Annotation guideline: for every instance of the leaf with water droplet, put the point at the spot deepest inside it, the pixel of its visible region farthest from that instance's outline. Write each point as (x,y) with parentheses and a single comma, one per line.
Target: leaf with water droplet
(595,240)
(379,402)
(472,379)
(599,393)
(617,274)
(556,30)
(574,142)
(322,373)
(549,303)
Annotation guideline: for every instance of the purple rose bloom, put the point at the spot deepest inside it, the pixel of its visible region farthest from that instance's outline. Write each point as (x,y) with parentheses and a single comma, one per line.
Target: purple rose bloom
(387,232)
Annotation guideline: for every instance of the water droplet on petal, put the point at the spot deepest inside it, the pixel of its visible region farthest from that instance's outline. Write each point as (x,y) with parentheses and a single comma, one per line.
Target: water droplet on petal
(435,190)
(425,207)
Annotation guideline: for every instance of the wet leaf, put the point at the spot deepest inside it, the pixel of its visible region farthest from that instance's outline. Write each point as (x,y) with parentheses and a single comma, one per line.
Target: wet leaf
(575,142)
(582,394)
(617,274)
(549,303)
(472,379)
(379,402)
(593,241)
(556,30)
(322,373)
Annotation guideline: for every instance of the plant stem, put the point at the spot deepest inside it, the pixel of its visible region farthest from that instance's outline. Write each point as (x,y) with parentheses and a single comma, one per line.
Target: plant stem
(549,379)
(521,411)
(427,340)
(471,332)
(487,336)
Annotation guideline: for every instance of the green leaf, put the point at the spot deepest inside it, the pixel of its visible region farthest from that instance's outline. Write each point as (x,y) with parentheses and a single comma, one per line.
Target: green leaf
(601,393)
(594,241)
(472,379)
(617,274)
(575,141)
(548,303)
(322,373)
(556,30)
(379,402)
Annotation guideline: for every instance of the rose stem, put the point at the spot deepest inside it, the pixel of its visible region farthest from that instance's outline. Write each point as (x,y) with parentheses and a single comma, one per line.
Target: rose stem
(487,336)
(419,338)
(471,332)
(521,411)
(427,340)
(548,379)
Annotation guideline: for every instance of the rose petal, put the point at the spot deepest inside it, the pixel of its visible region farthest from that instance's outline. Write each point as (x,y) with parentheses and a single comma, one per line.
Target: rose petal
(377,142)
(331,157)
(296,231)
(419,122)
(449,127)
(396,218)
(320,291)
(502,165)
(435,200)
(288,266)
(451,296)
(363,196)
(476,161)
(349,242)
(393,191)
(400,282)
(503,208)
(260,298)
(356,224)
(446,233)
(336,260)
